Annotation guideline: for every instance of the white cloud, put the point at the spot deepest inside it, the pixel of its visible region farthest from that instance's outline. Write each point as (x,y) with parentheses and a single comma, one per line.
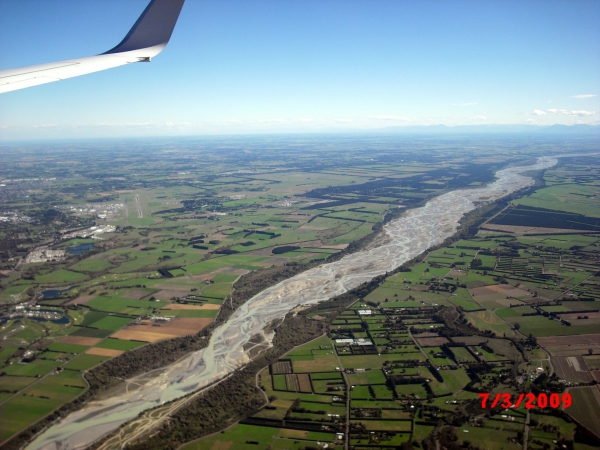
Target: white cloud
(136,124)
(530,120)
(584,96)
(271,121)
(563,112)
(583,113)
(45,125)
(480,117)
(392,118)
(343,120)
(132,125)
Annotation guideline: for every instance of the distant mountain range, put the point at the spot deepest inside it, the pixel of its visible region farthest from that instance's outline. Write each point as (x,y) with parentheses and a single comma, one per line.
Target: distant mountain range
(583,130)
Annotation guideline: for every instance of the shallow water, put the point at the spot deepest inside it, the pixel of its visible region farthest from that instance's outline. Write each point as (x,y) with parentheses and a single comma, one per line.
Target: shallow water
(55,293)
(410,235)
(79,249)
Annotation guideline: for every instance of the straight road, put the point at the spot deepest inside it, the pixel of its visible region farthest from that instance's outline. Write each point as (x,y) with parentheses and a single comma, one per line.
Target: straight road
(526,431)
(348,393)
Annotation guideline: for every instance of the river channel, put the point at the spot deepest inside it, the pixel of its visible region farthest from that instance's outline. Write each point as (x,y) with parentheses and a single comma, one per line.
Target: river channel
(408,236)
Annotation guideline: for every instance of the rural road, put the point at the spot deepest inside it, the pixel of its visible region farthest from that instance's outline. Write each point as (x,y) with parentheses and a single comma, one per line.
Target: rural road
(526,431)
(348,398)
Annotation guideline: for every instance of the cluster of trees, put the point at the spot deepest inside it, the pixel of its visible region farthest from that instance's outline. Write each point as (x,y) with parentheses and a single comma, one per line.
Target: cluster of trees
(284,249)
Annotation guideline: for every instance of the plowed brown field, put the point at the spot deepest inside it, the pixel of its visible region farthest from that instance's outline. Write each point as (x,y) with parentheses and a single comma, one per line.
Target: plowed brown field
(582,339)
(104,352)
(152,332)
(431,342)
(79,340)
(572,368)
(81,300)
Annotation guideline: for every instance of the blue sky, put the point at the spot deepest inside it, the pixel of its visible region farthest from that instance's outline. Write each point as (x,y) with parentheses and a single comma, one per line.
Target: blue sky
(253,66)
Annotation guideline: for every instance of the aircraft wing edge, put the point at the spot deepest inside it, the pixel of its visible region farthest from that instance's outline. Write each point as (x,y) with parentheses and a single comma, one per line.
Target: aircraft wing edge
(146,39)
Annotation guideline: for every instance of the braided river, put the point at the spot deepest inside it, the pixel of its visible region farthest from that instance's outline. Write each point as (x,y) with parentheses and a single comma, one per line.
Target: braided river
(404,238)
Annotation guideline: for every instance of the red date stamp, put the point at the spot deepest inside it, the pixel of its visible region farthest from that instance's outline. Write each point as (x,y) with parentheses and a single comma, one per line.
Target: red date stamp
(530,401)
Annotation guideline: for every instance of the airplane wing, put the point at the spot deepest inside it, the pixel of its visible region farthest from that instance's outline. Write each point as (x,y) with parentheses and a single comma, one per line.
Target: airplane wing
(147,38)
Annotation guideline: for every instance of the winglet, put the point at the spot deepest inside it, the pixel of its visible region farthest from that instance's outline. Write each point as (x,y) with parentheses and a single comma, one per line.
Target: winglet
(153,28)
(147,38)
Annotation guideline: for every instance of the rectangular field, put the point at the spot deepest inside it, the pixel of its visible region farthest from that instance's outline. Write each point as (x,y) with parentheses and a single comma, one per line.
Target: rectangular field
(85,362)
(304,382)
(90,332)
(572,368)
(281,367)
(386,425)
(586,407)
(112,323)
(79,340)
(584,339)
(187,306)
(104,352)
(152,332)
(117,344)
(431,341)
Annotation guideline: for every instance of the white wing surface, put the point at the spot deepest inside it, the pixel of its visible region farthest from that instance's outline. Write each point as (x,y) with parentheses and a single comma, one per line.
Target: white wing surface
(147,38)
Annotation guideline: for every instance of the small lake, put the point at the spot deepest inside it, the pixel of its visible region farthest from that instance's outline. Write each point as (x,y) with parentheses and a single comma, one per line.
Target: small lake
(79,249)
(62,321)
(54,293)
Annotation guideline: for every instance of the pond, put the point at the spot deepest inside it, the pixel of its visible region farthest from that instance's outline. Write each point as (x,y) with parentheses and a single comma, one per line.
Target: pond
(79,249)
(55,293)
(61,321)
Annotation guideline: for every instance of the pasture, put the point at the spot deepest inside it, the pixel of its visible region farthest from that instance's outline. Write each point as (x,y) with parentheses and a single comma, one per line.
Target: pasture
(112,323)
(586,407)
(21,411)
(61,276)
(85,362)
(36,368)
(118,344)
